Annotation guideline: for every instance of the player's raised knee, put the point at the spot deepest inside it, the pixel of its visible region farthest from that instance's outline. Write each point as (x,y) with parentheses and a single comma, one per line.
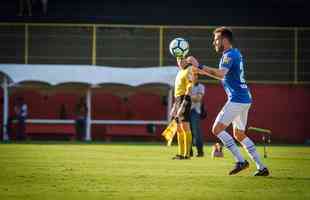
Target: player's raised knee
(217,128)
(239,135)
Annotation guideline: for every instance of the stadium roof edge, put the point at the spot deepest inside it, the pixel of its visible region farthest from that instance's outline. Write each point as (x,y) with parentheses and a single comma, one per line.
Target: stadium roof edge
(88,74)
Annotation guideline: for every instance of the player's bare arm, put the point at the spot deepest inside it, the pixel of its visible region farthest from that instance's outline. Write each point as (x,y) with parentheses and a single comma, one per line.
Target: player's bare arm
(205,70)
(173,111)
(213,72)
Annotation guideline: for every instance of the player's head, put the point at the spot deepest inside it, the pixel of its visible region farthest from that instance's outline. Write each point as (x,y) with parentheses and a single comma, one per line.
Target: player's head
(222,39)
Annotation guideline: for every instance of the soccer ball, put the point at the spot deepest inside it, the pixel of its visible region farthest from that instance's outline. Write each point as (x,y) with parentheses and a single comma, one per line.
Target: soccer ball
(179,47)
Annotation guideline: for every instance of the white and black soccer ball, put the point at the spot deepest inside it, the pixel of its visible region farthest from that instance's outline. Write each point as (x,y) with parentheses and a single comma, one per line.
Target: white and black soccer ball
(179,47)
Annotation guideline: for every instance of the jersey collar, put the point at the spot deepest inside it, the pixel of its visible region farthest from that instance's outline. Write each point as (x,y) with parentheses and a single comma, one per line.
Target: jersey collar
(227,50)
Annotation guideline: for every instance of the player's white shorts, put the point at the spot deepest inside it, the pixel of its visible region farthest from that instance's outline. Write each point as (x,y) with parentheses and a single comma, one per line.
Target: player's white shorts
(235,113)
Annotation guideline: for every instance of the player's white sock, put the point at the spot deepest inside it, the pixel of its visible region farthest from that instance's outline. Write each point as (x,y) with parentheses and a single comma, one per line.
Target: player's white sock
(249,145)
(230,144)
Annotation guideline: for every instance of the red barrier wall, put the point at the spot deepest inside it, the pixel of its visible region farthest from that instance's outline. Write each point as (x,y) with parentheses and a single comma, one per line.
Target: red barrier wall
(282,108)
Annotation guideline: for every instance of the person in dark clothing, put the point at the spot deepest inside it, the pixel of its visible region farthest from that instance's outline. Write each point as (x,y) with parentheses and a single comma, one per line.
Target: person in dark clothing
(20,115)
(197,94)
(80,122)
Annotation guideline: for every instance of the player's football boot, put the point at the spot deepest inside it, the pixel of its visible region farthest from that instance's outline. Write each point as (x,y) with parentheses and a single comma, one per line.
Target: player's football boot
(239,166)
(191,153)
(200,154)
(177,157)
(186,157)
(262,172)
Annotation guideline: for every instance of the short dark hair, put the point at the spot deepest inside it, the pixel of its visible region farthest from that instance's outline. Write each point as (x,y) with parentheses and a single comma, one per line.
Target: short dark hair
(225,32)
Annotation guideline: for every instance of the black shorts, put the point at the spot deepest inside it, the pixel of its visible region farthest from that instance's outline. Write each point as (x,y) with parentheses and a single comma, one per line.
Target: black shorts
(185,115)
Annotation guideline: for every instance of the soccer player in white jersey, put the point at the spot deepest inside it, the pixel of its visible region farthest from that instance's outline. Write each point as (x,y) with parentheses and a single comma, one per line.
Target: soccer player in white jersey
(235,111)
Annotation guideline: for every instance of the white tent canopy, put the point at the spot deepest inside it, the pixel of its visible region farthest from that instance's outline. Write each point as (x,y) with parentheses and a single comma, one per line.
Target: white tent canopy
(87,74)
(12,74)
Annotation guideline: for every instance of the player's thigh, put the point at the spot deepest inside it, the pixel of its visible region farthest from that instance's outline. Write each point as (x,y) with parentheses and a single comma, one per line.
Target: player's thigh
(185,126)
(225,117)
(176,105)
(240,121)
(179,128)
(185,115)
(239,133)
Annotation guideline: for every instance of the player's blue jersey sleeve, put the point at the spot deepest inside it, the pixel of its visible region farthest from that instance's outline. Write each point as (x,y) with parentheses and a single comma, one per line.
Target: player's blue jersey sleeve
(227,60)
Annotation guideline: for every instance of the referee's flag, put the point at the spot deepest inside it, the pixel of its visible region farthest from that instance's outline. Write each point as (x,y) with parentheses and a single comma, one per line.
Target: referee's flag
(169,132)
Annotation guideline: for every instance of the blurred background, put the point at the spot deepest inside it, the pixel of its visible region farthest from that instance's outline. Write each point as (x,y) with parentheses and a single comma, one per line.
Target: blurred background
(273,36)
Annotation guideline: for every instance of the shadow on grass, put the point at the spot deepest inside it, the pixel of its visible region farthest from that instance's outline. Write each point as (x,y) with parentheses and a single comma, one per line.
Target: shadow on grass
(43,142)
(288,178)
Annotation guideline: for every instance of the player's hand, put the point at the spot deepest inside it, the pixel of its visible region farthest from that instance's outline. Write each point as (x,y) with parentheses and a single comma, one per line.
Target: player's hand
(197,70)
(192,60)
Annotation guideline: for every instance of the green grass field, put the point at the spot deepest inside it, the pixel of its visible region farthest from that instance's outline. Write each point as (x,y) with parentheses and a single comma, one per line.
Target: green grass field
(144,171)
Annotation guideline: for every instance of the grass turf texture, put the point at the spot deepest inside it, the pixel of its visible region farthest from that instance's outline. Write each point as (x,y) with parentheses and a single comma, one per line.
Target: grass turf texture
(144,171)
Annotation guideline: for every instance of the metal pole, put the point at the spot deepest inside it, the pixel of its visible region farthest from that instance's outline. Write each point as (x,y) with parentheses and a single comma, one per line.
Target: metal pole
(169,106)
(295,55)
(94,47)
(161,45)
(265,145)
(5,109)
(88,117)
(26,43)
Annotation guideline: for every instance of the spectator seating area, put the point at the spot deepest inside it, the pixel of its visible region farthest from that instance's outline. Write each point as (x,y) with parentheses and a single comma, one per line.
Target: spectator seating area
(105,106)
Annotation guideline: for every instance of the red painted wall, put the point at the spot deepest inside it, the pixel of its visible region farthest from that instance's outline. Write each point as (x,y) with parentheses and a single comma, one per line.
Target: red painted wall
(282,108)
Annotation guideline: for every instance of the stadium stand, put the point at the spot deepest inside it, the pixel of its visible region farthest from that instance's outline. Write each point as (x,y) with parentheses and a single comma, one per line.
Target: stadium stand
(45,106)
(34,101)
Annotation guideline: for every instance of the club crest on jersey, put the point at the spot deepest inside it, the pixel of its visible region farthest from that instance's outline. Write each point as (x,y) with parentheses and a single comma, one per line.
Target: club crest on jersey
(226,60)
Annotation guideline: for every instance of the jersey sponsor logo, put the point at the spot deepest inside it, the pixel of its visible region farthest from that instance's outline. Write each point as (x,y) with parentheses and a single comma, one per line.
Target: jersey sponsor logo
(226,59)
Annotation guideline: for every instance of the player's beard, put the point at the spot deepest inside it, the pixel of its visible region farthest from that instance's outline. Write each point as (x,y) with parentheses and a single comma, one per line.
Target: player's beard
(219,48)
